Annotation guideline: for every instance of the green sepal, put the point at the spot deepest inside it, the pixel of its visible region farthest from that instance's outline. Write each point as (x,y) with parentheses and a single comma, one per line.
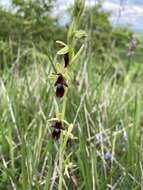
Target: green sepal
(63,50)
(60,43)
(77,54)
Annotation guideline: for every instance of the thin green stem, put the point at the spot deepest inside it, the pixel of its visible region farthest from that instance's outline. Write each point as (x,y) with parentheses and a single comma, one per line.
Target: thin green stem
(61,163)
(64,105)
(70,36)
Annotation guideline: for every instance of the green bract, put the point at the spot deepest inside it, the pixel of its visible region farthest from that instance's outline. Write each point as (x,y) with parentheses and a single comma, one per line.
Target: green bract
(63,50)
(80,34)
(60,43)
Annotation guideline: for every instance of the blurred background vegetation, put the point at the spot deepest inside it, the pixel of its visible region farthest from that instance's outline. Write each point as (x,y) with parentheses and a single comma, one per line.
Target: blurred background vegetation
(28,24)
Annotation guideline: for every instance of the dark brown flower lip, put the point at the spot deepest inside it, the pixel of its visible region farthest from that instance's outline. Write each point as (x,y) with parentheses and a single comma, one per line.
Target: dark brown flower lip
(60,84)
(60,91)
(66,59)
(56,134)
(60,80)
(57,126)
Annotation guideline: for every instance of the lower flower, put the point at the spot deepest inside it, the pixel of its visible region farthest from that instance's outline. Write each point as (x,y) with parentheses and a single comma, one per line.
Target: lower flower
(57,126)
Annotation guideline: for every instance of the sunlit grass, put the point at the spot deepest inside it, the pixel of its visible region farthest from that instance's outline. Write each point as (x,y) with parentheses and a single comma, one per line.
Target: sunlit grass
(106,111)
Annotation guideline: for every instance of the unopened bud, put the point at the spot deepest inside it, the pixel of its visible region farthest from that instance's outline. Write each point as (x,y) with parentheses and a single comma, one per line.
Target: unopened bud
(78,7)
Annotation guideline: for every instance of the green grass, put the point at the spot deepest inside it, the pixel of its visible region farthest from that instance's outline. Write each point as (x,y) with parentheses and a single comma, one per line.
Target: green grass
(103,104)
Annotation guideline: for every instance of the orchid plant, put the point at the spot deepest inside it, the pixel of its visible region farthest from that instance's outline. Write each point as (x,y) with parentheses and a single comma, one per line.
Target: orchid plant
(62,129)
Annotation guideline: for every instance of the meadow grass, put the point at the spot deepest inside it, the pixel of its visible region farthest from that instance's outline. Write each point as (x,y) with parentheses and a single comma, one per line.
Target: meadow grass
(106,111)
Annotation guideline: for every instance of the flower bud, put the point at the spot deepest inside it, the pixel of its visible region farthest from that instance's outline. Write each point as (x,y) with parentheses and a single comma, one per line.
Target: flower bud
(78,7)
(66,59)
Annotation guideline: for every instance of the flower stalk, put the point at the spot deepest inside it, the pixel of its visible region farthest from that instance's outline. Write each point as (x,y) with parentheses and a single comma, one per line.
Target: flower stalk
(61,128)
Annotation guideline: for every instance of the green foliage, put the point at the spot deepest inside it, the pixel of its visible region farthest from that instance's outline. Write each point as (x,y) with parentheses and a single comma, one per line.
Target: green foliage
(121,36)
(103,37)
(29,22)
(37,20)
(99,28)
(105,104)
